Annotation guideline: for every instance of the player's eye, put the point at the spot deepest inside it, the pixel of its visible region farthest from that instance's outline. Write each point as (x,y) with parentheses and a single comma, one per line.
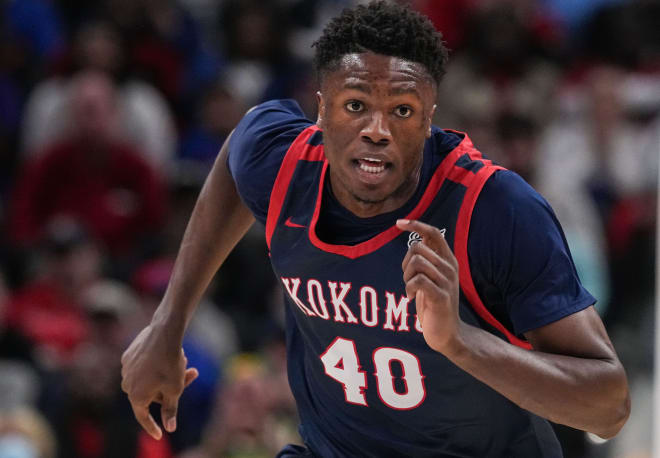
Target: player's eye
(403,111)
(354,106)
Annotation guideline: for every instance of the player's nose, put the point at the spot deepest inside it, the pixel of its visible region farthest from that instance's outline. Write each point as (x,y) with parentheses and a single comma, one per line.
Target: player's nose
(377,130)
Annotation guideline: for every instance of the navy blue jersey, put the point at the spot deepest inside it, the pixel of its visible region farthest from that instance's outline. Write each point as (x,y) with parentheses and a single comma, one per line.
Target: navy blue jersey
(365,381)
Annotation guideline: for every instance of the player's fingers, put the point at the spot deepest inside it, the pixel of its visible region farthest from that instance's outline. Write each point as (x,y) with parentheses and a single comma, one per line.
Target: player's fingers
(421,264)
(432,293)
(422,249)
(147,422)
(419,281)
(432,236)
(168,410)
(420,306)
(421,256)
(191,375)
(426,231)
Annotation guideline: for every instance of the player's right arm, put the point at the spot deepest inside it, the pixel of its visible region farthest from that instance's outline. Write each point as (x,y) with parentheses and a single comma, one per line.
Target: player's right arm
(154,366)
(236,192)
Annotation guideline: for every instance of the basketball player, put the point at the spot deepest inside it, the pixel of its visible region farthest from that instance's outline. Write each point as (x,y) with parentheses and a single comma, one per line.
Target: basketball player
(433,309)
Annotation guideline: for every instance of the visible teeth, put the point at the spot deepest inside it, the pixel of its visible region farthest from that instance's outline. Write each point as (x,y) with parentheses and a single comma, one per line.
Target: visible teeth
(371,159)
(370,169)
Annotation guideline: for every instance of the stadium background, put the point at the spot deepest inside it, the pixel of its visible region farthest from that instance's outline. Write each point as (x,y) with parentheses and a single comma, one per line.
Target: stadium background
(112,112)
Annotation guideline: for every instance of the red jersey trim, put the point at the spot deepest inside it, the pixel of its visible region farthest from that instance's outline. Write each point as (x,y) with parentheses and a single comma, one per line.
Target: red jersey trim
(299,149)
(444,170)
(461,253)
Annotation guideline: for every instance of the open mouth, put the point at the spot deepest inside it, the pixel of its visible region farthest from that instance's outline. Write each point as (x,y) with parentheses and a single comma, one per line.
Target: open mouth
(372,165)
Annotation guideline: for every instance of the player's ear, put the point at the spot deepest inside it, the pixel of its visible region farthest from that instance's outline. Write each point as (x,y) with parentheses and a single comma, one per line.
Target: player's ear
(430,121)
(321,109)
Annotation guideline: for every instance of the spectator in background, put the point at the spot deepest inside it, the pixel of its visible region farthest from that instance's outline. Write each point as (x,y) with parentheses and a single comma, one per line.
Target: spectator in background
(163,46)
(450,16)
(90,416)
(92,176)
(608,151)
(254,414)
(620,32)
(143,116)
(255,37)
(47,308)
(505,66)
(173,32)
(19,380)
(24,433)
(515,143)
(606,136)
(218,112)
(114,314)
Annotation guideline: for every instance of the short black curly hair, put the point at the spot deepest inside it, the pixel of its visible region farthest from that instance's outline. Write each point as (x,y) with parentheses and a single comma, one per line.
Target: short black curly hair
(384,28)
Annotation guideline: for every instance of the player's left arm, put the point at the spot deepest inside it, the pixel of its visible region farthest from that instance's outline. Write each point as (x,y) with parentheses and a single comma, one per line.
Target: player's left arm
(572,376)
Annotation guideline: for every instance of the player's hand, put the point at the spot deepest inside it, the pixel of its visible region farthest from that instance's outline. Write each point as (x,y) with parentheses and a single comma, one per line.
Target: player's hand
(155,371)
(430,272)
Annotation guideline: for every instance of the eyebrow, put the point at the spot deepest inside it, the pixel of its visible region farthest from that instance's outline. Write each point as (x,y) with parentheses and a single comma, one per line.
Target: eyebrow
(362,87)
(407,89)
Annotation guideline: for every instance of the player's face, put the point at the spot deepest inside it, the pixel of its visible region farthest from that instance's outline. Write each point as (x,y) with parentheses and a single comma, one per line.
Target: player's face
(375,112)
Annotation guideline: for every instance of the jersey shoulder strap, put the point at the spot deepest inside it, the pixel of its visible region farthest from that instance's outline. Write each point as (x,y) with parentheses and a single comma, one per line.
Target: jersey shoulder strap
(474,187)
(308,146)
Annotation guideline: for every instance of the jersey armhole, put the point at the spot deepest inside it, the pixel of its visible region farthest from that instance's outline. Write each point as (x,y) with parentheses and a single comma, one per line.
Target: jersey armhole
(461,252)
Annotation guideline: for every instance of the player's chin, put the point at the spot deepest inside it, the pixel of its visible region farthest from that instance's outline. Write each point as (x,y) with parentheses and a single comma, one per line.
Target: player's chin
(375,195)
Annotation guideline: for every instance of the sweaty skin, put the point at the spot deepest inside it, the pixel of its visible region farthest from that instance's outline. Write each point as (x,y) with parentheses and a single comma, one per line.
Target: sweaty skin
(376,112)
(375,107)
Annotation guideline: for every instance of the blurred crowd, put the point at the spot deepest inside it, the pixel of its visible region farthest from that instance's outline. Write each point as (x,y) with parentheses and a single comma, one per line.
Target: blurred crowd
(112,113)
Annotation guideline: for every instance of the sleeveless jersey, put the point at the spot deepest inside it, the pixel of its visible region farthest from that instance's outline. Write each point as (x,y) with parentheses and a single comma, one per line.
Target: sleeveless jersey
(365,381)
